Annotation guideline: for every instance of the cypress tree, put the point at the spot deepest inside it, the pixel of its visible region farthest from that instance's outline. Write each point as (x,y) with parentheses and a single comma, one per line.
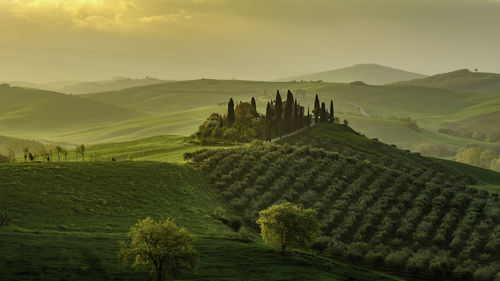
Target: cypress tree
(308,118)
(269,121)
(254,104)
(295,119)
(287,114)
(279,110)
(331,111)
(230,112)
(323,113)
(316,109)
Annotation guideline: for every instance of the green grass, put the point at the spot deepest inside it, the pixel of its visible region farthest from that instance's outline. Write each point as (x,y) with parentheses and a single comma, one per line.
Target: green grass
(68,219)
(30,112)
(487,179)
(160,148)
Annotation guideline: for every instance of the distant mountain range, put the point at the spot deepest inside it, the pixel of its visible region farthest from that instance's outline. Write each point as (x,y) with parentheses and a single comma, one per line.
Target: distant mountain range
(461,80)
(373,74)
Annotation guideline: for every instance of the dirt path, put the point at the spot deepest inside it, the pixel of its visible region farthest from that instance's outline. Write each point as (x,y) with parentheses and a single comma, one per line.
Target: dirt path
(361,110)
(290,134)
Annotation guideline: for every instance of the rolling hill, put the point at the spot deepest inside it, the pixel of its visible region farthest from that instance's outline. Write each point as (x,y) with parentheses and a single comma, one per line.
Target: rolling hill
(373,74)
(31,112)
(117,83)
(189,102)
(377,205)
(68,220)
(461,80)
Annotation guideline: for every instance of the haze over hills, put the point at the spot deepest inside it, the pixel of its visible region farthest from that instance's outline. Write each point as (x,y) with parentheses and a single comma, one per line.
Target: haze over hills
(462,80)
(28,112)
(177,108)
(80,87)
(373,74)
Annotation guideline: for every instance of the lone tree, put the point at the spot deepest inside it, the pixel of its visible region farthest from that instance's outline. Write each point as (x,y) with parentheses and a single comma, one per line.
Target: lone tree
(161,246)
(287,225)
(230,112)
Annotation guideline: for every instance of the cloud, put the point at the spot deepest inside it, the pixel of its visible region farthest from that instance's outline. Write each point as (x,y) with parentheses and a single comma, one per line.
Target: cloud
(97,14)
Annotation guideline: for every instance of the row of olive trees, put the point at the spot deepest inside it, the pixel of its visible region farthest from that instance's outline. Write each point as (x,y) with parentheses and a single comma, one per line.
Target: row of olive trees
(167,249)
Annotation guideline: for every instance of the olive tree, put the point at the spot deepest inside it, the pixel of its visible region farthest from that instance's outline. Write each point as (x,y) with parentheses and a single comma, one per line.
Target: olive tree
(287,225)
(161,246)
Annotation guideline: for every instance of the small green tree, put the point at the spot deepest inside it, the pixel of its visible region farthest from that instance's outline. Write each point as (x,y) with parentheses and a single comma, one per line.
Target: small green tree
(59,152)
(82,151)
(162,246)
(26,151)
(65,153)
(287,225)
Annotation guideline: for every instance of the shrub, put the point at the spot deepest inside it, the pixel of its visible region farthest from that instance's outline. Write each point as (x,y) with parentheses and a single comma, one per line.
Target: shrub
(5,218)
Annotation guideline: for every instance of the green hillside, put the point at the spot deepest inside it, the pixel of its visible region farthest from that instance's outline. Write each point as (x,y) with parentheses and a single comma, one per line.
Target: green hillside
(68,219)
(160,148)
(372,74)
(462,80)
(178,108)
(377,205)
(106,85)
(29,112)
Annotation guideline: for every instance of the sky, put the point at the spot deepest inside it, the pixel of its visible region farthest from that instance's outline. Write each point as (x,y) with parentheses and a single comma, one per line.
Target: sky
(54,40)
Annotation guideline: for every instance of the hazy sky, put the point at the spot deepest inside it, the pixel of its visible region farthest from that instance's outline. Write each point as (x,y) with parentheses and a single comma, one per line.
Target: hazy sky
(47,40)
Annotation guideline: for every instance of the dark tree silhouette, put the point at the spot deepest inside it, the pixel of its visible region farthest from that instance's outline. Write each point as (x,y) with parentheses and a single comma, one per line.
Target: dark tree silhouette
(308,118)
(230,112)
(254,103)
(269,121)
(331,111)
(323,113)
(287,114)
(316,109)
(279,111)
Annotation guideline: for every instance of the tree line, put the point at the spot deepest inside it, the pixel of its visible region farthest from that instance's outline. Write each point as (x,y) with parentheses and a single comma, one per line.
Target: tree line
(48,154)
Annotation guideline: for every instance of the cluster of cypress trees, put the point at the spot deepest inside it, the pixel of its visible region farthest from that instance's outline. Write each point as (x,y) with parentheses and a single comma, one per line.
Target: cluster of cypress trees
(286,117)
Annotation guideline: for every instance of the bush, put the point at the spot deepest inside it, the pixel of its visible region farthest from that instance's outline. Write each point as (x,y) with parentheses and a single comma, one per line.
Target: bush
(486,273)
(5,218)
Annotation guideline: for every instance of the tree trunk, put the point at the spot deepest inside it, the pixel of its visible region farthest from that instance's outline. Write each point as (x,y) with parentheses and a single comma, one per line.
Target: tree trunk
(283,249)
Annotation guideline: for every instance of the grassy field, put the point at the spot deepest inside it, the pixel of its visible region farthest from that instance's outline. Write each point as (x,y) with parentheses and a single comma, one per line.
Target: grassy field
(161,148)
(68,219)
(487,179)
